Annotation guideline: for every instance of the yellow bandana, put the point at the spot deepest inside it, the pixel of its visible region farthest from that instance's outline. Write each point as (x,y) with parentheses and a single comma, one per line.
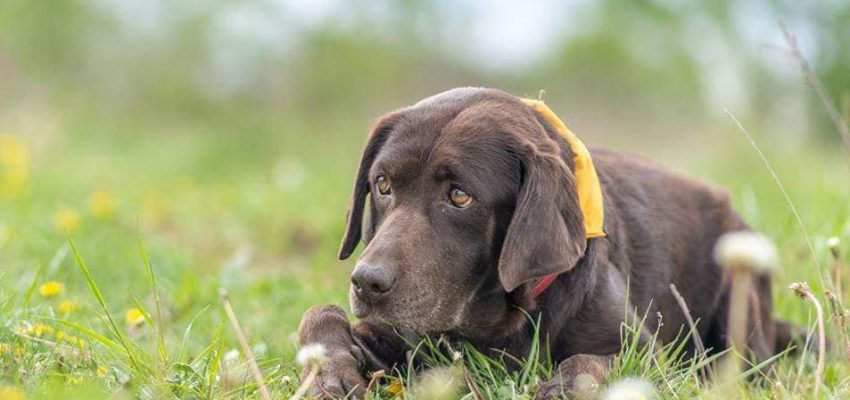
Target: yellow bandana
(587,182)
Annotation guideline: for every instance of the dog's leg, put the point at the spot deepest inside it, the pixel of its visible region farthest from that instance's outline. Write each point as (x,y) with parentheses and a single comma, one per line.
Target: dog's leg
(351,353)
(577,374)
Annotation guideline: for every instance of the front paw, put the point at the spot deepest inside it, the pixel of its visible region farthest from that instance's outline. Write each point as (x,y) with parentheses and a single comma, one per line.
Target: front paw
(339,376)
(577,376)
(332,363)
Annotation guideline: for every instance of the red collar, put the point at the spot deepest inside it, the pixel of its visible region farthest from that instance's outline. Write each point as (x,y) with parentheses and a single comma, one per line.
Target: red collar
(542,285)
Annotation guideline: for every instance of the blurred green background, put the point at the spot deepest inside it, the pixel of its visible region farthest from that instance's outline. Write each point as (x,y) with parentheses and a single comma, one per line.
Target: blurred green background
(227,133)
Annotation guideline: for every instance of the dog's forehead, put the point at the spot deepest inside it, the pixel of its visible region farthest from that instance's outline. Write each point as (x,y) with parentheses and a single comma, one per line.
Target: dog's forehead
(471,142)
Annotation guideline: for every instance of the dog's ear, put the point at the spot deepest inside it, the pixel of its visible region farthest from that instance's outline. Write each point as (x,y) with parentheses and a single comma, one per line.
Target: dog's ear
(354,216)
(546,233)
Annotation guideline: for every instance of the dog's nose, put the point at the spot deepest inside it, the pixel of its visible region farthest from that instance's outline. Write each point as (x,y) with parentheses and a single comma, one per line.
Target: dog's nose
(372,282)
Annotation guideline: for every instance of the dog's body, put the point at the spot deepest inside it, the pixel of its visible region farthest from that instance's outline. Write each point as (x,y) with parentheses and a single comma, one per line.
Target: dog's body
(473,201)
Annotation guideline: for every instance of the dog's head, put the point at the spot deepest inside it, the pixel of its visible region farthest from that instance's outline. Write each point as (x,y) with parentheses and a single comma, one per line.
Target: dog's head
(470,200)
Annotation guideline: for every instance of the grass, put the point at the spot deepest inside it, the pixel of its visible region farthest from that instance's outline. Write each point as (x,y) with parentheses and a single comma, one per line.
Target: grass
(141,225)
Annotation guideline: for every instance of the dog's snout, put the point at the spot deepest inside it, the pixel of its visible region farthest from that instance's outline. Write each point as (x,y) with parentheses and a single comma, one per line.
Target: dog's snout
(372,282)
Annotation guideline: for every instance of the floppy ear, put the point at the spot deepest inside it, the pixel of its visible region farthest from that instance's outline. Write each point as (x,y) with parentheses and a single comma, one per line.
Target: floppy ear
(354,216)
(546,232)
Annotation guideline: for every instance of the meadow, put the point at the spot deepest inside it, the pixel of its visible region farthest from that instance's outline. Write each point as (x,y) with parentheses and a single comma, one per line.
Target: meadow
(116,236)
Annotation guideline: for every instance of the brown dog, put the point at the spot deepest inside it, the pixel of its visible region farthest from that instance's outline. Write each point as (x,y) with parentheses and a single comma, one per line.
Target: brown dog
(473,200)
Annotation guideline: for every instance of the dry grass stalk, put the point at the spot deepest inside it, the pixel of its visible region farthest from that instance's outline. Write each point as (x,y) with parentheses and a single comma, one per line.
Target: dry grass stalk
(834,245)
(802,290)
(243,342)
(817,86)
(699,346)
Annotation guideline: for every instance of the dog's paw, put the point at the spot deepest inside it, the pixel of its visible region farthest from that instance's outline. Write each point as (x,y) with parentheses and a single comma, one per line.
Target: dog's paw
(578,376)
(339,377)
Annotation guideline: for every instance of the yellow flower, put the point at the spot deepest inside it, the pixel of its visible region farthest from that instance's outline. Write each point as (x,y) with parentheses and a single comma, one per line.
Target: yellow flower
(101,371)
(67,220)
(60,336)
(67,306)
(395,387)
(40,329)
(13,151)
(134,317)
(101,205)
(12,393)
(51,289)
(14,159)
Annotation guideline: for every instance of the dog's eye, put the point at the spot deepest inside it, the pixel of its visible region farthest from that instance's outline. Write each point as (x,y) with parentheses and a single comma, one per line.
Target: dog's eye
(459,198)
(383,184)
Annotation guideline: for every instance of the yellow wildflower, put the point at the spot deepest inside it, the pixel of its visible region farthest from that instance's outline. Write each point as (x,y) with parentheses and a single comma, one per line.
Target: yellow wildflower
(14,159)
(101,371)
(51,289)
(12,393)
(101,205)
(67,220)
(67,306)
(40,329)
(60,336)
(13,151)
(134,317)
(395,387)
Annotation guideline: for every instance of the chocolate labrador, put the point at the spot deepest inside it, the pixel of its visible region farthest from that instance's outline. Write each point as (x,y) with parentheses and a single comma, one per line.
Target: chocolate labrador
(477,218)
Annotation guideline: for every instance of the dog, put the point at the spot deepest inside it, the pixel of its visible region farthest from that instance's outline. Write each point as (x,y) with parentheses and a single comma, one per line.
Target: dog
(483,210)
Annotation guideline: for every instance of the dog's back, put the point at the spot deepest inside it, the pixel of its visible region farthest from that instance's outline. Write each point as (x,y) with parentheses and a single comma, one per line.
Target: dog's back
(662,228)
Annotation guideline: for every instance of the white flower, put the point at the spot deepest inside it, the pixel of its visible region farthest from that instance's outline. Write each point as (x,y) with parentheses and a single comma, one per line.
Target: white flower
(437,384)
(310,355)
(231,356)
(631,389)
(833,244)
(748,250)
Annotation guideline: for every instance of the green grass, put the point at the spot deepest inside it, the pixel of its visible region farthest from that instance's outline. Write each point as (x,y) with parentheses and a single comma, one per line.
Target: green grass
(256,206)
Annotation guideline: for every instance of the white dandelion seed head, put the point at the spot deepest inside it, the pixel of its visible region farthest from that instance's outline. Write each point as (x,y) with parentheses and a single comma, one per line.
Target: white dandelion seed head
(746,250)
(231,355)
(437,384)
(631,389)
(310,355)
(833,244)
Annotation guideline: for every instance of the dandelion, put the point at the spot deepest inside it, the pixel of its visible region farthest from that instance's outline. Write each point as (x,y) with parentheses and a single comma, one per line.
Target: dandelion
(631,389)
(743,254)
(745,250)
(101,205)
(40,329)
(12,393)
(801,289)
(437,384)
(51,289)
(14,160)
(311,357)
(67,220)
(134,317)
(231,356)
(101,371)
(67,307)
